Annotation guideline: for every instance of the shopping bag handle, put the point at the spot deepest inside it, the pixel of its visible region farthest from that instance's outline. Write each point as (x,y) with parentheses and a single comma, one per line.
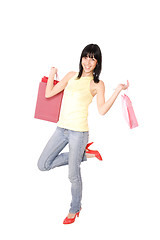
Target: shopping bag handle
(45,79)
(57,77)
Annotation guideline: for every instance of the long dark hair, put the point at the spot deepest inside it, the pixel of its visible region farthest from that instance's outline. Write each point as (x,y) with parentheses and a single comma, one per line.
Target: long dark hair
(92,50)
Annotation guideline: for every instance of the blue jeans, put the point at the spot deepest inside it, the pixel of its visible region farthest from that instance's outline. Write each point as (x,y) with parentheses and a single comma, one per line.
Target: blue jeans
(51,158)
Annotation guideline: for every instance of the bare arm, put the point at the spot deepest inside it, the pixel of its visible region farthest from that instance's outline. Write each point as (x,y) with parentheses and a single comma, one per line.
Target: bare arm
(103,106)
(52,90)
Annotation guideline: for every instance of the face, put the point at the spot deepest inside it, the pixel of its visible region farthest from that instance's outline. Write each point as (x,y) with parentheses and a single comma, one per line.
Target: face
(89,64)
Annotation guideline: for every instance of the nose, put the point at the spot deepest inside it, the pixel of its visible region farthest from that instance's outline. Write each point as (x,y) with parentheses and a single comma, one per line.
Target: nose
(88,60)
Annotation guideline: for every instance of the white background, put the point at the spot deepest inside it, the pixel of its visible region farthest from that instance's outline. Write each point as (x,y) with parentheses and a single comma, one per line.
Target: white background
(121,194)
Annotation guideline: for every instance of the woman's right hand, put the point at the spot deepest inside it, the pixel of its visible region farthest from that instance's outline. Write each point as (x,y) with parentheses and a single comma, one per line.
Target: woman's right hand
(53,71)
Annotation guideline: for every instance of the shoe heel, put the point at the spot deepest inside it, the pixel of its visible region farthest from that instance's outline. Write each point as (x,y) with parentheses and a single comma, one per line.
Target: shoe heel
(88,145)
(77,214)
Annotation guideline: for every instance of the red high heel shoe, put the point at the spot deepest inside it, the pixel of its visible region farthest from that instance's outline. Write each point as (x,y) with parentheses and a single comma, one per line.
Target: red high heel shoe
(96,153)
(70,220)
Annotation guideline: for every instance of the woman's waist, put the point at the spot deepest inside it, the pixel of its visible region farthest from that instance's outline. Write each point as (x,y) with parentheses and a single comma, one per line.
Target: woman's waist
(77,123)
(76,114)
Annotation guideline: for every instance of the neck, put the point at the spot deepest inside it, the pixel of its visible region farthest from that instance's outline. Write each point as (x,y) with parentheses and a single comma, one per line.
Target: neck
(85,74)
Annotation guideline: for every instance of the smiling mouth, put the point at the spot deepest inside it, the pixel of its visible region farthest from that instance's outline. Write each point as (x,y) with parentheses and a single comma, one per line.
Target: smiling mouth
(87,67)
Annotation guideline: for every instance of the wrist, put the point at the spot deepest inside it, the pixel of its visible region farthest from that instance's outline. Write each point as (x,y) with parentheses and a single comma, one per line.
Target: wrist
(119,88)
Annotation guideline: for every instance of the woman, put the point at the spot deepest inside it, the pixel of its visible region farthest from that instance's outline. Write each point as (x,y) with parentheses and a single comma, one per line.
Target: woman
(72,128)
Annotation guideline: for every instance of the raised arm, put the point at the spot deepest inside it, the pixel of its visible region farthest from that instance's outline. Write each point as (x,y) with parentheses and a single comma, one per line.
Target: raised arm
(52,90)
(103,106)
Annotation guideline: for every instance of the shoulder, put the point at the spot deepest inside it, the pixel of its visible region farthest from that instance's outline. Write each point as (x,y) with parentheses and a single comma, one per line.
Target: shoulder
(97,88)
(71,74)
(68,76)
(100,86)
(101,83)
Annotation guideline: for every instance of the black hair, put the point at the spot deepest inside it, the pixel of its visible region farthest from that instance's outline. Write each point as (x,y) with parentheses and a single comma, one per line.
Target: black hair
(92,51)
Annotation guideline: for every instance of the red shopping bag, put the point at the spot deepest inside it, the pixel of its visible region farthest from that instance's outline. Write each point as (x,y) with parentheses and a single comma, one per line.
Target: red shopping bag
(48,108)
(128,112)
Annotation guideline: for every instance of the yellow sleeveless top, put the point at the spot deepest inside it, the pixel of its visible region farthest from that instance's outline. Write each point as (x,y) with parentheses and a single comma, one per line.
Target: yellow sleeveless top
(76,99)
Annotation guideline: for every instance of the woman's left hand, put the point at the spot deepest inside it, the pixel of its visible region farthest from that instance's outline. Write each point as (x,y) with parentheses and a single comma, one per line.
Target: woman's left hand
(124,86)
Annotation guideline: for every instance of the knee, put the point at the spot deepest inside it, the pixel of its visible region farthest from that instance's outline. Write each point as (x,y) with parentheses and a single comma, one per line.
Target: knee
(41,166)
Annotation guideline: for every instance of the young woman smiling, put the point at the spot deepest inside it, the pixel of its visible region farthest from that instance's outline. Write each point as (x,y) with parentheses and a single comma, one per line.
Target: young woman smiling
(72,128)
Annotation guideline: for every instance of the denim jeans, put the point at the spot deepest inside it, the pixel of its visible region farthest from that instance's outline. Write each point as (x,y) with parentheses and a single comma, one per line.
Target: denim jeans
(51,158)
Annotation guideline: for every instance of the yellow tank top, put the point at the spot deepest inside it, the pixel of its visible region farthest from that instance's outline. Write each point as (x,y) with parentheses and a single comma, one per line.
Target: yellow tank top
(76,99)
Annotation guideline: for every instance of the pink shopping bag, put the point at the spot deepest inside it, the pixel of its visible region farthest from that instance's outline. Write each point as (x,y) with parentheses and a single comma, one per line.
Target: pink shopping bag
(128,112)
(48,108)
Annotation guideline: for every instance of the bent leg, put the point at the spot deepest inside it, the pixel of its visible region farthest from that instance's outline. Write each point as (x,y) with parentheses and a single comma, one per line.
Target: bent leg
(50,156)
